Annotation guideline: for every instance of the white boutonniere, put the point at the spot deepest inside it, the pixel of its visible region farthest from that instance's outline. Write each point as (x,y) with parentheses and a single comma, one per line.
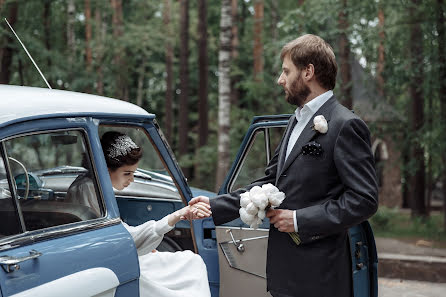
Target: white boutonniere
(320,124)
(255,203)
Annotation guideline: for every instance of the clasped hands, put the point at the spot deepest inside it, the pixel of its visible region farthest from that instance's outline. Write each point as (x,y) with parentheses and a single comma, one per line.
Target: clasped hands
(282,219)
(198,208)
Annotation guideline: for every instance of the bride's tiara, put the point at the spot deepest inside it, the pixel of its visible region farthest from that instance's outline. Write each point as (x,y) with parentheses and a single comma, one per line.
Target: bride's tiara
(122,146)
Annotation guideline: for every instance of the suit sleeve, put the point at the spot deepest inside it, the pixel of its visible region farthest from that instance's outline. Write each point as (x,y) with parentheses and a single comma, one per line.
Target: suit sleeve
(225,208)
(358,201)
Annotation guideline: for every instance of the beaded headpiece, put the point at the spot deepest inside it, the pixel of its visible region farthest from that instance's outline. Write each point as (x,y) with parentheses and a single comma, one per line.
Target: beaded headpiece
(122,146)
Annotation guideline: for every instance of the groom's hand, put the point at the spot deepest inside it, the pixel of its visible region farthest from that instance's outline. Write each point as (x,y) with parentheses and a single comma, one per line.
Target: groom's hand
(282,219)
(200,199)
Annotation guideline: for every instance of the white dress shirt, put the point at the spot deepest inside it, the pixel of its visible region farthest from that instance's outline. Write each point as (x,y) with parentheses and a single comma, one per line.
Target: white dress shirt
(303,115)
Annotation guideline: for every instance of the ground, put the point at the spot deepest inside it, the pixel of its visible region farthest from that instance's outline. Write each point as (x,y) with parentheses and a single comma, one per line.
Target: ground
(388,287)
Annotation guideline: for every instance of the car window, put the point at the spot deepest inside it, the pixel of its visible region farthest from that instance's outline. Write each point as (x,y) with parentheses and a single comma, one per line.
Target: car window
(54,178)
(152,179)
(255,159)
(254,162)
(9,220)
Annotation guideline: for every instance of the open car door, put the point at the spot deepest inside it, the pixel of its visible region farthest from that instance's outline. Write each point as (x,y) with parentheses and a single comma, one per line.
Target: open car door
(242,250)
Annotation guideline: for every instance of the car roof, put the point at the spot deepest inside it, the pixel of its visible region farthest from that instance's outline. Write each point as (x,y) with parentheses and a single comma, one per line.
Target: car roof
(20,103)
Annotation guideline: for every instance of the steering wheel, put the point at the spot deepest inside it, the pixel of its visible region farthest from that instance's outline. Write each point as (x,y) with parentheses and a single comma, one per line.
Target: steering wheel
(26,176)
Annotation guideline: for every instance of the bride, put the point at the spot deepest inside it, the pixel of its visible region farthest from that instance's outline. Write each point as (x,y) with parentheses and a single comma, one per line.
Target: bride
(162,274)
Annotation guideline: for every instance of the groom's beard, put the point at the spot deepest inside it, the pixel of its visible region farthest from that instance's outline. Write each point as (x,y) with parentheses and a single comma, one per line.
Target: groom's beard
(298,92)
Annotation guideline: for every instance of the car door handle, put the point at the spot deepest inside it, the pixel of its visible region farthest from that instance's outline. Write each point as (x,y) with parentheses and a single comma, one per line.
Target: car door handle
(239,245)
(11,264)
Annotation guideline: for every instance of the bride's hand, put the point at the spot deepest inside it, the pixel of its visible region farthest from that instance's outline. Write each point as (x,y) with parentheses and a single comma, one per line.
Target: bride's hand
(197,211)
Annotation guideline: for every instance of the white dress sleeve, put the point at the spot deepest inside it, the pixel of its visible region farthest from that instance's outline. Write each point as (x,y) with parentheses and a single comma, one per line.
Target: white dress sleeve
(149,235)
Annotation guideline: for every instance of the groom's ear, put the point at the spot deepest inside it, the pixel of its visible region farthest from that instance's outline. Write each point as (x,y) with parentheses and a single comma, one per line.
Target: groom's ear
(308,73)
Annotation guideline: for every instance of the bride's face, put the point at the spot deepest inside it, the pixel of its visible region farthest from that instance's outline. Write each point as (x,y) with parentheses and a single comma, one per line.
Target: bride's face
(123,176)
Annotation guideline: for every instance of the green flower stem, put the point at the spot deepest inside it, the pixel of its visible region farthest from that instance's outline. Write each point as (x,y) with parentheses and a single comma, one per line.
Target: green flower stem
(295,237)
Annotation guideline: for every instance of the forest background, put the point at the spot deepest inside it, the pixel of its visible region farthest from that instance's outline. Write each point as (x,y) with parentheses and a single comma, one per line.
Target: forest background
(205,68)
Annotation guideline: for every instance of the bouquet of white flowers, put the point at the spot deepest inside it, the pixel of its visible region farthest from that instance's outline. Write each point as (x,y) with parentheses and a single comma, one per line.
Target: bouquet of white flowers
(255,203)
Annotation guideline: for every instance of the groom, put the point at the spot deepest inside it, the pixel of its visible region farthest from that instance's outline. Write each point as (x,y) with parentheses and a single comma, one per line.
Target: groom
(328,177)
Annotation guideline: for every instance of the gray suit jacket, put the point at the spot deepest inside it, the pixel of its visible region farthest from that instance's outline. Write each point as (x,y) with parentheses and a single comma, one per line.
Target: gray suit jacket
(330,193)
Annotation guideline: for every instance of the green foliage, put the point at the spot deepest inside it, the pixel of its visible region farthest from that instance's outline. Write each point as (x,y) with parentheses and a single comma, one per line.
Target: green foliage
(393,222)
(142,46)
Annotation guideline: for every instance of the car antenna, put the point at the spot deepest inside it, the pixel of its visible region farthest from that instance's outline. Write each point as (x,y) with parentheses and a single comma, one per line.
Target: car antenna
(29,55)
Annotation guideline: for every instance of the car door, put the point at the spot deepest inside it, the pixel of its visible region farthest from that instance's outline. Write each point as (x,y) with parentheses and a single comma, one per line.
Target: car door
(50,246)
(242,250)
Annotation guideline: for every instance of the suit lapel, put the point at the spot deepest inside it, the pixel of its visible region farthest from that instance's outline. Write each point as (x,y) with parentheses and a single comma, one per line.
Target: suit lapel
(291,123)
(308,133)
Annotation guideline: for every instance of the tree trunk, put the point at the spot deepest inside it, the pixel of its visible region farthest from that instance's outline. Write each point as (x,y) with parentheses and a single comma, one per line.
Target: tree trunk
(47,36)
(235,92)
(203,74)
(7,50)
(140,90)
(168,118)
(203,129)
(71,38)
(417,183)
(245,14)
(442,90)
(344,57)
(121,78)
(88,52)
(183,123)
(381,52)
(224,92)
(274,21)
(258,44)
(100,34)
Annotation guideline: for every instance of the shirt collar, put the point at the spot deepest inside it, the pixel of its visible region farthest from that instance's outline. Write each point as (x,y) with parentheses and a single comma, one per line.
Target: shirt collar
(313,106)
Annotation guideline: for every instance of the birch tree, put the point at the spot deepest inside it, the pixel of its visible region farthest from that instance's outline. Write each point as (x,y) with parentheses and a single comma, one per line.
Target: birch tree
(224,92)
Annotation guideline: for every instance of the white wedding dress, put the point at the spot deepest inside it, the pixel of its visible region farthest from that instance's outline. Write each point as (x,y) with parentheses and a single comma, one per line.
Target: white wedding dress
(162,274)
(166,274)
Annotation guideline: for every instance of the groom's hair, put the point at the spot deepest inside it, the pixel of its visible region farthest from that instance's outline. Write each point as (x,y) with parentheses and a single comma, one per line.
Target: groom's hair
(311,49)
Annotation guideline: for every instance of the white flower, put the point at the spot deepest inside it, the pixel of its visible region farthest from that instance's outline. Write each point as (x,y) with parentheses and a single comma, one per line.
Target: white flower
(320,124)
(269,189)
(256,223)
(244,199)
(246,217)
(252,209)
(254,202)
(276,199)
(258,197)
(261,214)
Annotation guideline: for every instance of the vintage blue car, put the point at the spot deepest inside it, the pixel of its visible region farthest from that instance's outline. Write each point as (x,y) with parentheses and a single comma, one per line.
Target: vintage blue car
(53,246)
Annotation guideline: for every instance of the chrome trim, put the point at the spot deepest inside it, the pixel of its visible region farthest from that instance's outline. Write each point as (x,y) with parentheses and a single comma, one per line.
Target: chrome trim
(31,237)
(240,228)
(240,246)
(245,239)
(10,264)
(267,146)
(150,198)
